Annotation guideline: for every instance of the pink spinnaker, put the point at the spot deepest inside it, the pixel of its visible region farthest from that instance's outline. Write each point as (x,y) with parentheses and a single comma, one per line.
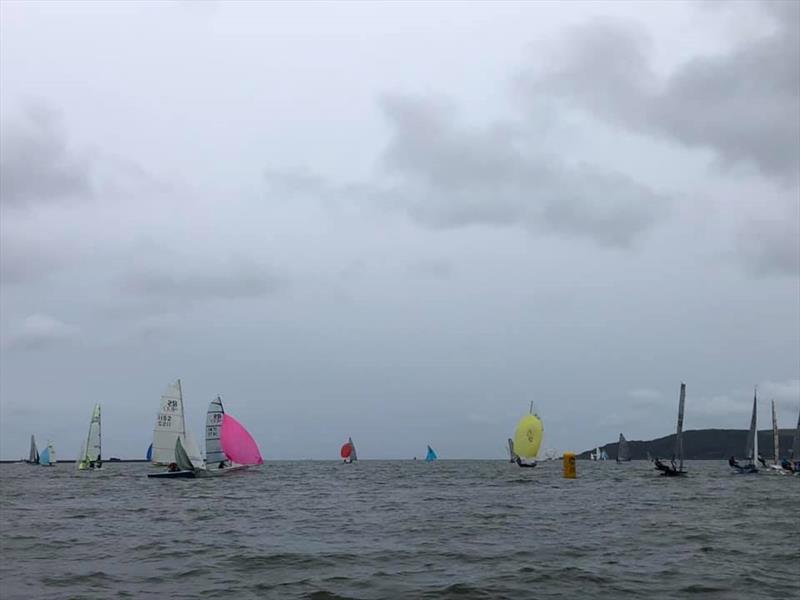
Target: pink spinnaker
(237,443)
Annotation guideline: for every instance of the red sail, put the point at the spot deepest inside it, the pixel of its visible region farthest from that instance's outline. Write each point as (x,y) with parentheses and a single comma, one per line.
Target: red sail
(347,450)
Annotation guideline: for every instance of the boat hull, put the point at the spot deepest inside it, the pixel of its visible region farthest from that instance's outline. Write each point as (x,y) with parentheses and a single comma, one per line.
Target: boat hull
(201,473)
(745,470)
(173,475)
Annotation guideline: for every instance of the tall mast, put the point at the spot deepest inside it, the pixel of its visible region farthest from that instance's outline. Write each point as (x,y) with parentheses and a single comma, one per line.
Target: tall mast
(755,426)
(679,432)
(183,414)
(775,437)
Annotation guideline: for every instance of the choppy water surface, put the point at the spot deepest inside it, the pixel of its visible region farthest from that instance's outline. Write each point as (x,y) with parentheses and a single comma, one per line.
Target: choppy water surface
(451,529)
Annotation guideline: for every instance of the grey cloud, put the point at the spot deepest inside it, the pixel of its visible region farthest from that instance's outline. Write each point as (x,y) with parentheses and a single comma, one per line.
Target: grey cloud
(23,261)
(772,246)
(237,279)
(448,177)
(36,163)
(742,105)
(39,331)
(433,268)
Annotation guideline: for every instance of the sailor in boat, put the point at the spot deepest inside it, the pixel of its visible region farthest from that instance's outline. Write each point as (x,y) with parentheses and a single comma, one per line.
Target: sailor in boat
(732,462)
(670,469)
(172,467)
(762,461)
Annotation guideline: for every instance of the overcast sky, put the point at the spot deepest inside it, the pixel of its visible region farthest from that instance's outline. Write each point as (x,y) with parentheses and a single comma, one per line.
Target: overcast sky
(398,222)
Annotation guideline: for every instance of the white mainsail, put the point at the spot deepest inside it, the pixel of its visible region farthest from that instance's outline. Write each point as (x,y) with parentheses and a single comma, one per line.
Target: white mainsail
(92,452)
(170,424)
(214,454)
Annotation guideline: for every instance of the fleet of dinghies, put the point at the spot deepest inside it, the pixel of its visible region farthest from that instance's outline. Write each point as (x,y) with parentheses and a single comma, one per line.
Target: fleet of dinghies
(229,447)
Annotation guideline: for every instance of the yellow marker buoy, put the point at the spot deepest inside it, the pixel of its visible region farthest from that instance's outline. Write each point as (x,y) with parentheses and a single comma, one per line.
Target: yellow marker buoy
(570,471)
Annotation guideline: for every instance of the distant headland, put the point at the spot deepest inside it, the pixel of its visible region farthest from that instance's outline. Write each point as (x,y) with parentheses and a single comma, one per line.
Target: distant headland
(701,444)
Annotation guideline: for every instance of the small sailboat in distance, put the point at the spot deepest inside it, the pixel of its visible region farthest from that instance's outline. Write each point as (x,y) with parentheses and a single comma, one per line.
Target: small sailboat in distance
(776,445)
(33,453)
(673,470)
(511,456)
(149,455)
(431,455)
(751,448)
(91,456)
(623,451)
(48,456)
(528,439)
(348,451)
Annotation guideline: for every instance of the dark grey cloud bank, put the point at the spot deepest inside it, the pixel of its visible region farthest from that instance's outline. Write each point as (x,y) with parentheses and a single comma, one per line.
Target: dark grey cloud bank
(451,177)
(743,105)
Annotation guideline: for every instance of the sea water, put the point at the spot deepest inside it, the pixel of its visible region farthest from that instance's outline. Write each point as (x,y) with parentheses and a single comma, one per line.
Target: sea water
(399,529)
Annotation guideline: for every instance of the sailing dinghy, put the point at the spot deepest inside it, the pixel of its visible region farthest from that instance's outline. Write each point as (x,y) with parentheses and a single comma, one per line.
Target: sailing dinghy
(171,425)
(33,453)
(673,470)
(751,449)
(776,466)
(511,456)
(431,455)
(229,448)
(528,439)
(48,456)
(348,451)
(623,451)
(90,456)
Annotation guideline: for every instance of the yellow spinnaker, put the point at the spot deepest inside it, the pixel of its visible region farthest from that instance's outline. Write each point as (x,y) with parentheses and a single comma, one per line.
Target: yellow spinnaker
(528,436)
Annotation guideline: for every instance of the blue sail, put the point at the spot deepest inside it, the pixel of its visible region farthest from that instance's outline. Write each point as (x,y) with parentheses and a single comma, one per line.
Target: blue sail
(431,456)
(44,457)
(149,456)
